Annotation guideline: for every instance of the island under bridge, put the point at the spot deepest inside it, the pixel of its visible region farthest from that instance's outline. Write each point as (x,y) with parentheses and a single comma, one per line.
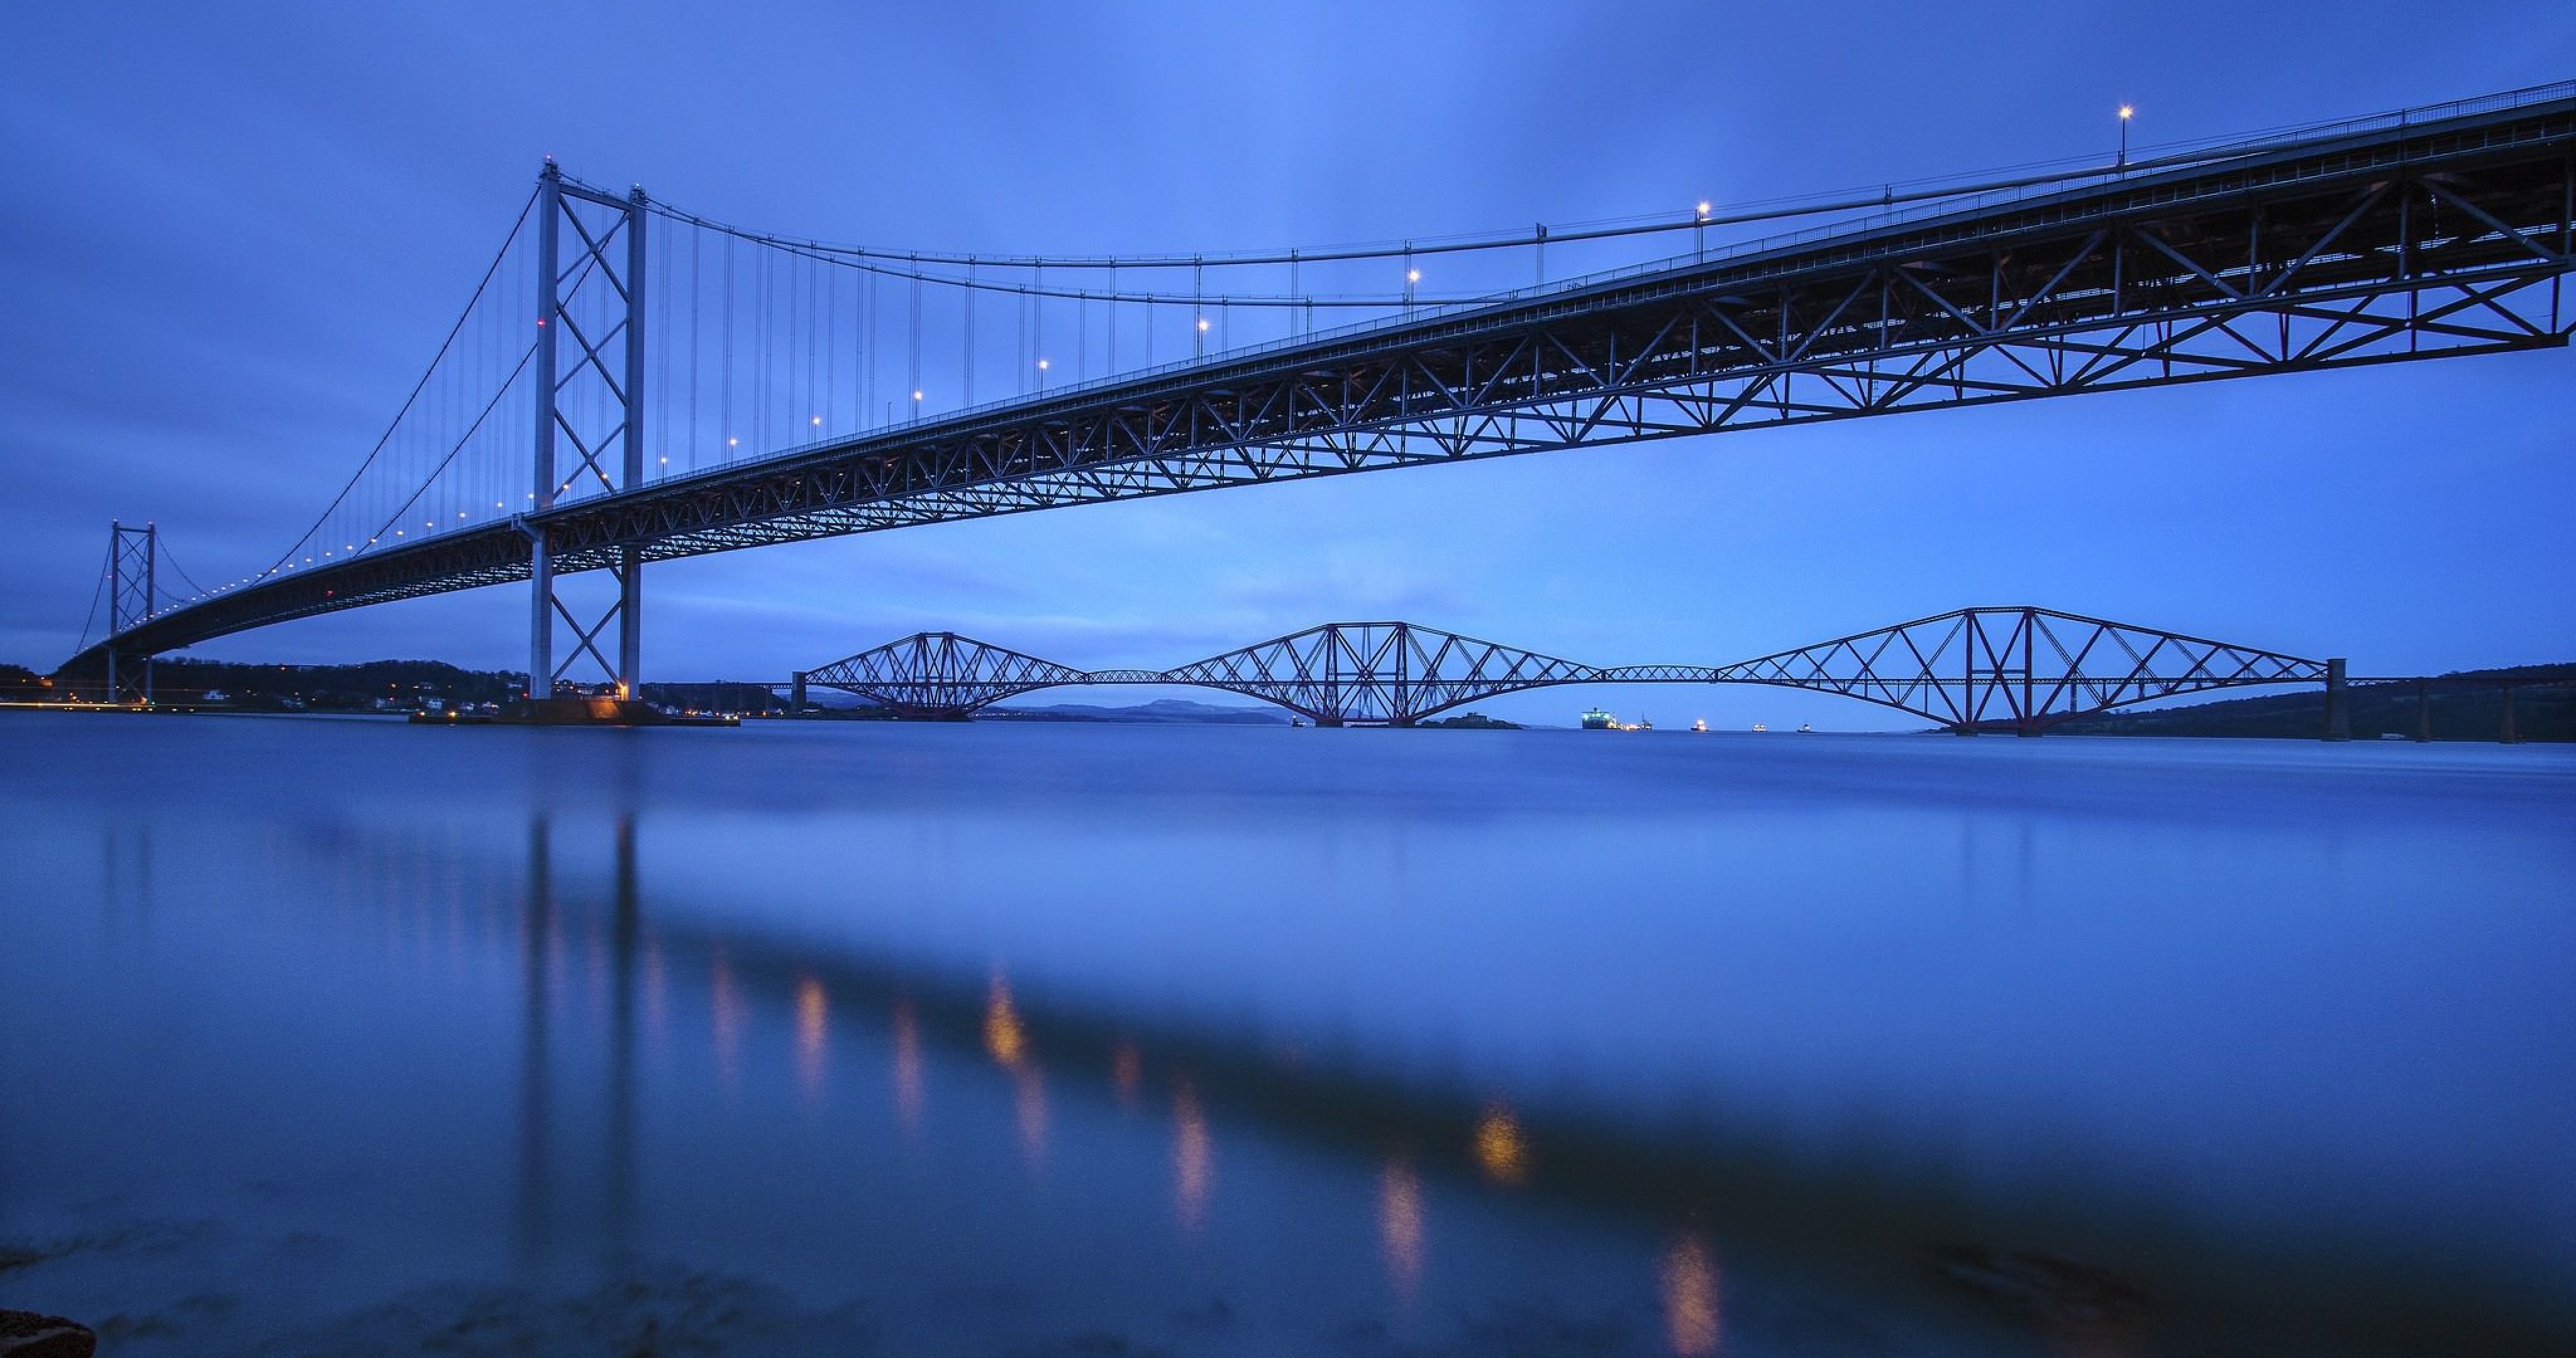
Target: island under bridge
(2018,669)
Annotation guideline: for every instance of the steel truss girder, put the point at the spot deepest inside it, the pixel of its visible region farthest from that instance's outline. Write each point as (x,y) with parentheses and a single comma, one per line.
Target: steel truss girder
(940,675)
(1376,673)
(2127,304)
(2018,669)
(2443,238)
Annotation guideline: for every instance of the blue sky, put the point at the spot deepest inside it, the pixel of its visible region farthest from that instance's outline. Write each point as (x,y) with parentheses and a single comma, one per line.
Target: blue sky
(229,241)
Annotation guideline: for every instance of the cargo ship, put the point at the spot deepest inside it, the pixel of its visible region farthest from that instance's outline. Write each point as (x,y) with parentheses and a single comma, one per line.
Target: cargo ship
(1594,719)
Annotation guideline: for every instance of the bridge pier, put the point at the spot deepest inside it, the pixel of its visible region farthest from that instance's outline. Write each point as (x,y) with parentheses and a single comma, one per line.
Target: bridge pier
(796,695)
(2338,711)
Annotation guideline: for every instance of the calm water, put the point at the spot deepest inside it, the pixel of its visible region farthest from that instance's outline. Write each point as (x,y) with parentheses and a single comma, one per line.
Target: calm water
(349,1037)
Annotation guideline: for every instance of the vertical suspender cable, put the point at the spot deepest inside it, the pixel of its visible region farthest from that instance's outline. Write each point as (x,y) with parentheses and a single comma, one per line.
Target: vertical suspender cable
(660,340)
(724,410)
(806,429)
(915,411)
(832,350)
(695,286)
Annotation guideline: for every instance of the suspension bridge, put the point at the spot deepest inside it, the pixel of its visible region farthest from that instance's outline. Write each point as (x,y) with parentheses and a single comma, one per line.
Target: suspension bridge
(631,382)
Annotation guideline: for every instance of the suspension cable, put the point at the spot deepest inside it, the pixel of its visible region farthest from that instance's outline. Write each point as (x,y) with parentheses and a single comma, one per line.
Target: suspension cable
(1774,209)
(172,562)
(100,589)
(432,371)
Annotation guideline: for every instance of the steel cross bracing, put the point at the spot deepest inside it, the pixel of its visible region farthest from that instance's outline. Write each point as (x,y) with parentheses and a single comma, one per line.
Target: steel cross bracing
(590,400)
(133,595)
(2443,237)
(940,674)
(1375,673)
(2017,669)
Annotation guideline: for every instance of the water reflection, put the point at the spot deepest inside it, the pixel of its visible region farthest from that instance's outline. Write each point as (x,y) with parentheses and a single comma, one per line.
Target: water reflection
(541,936)
(1008,1043)
(1193,1156)
(1500,1148)
(760,988)
(1127,1072)
(724,1014)
(1690,1296)
(536,920)
(618,1171)
(1399,1224)
(813,1027)
(907,1066)
(1003,1036)
(1029,1110)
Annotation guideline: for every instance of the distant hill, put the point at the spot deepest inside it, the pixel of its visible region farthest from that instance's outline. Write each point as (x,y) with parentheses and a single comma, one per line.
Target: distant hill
(2459,710)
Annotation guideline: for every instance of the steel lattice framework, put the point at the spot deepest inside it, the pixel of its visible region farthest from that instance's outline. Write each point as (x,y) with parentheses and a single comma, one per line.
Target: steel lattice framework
(2018,669)
(940,675)
(2445,235)
(1376,673)
(1976,669)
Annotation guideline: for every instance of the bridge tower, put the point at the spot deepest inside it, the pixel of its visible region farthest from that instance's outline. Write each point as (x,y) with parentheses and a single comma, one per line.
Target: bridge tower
(590,402)
(133,582)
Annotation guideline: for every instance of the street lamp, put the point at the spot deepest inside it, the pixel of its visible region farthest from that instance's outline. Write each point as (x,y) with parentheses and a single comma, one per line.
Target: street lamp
(2126,113)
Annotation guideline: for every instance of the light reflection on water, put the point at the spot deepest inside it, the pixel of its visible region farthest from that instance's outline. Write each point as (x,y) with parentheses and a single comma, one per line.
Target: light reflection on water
(1399,1215)
(1002,1102)
(1690,1296)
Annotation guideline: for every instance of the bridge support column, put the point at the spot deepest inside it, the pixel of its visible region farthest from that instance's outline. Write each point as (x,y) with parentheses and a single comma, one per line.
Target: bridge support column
(591,298)
(133,589)
(2338,712)
(796,695)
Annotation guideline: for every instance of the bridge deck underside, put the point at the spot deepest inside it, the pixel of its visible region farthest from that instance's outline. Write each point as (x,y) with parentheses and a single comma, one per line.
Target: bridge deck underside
(2446,238)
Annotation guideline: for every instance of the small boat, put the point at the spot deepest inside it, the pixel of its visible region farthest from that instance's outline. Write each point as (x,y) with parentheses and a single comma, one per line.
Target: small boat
(1701,725)
(1760,727)
(1805,730)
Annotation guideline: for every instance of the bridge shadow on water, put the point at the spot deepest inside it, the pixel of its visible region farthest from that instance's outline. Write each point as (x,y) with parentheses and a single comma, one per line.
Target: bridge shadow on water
(2082,1267)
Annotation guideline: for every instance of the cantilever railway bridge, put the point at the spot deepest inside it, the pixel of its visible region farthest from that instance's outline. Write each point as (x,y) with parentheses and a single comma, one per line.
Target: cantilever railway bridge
(1976,669)
(614,436)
